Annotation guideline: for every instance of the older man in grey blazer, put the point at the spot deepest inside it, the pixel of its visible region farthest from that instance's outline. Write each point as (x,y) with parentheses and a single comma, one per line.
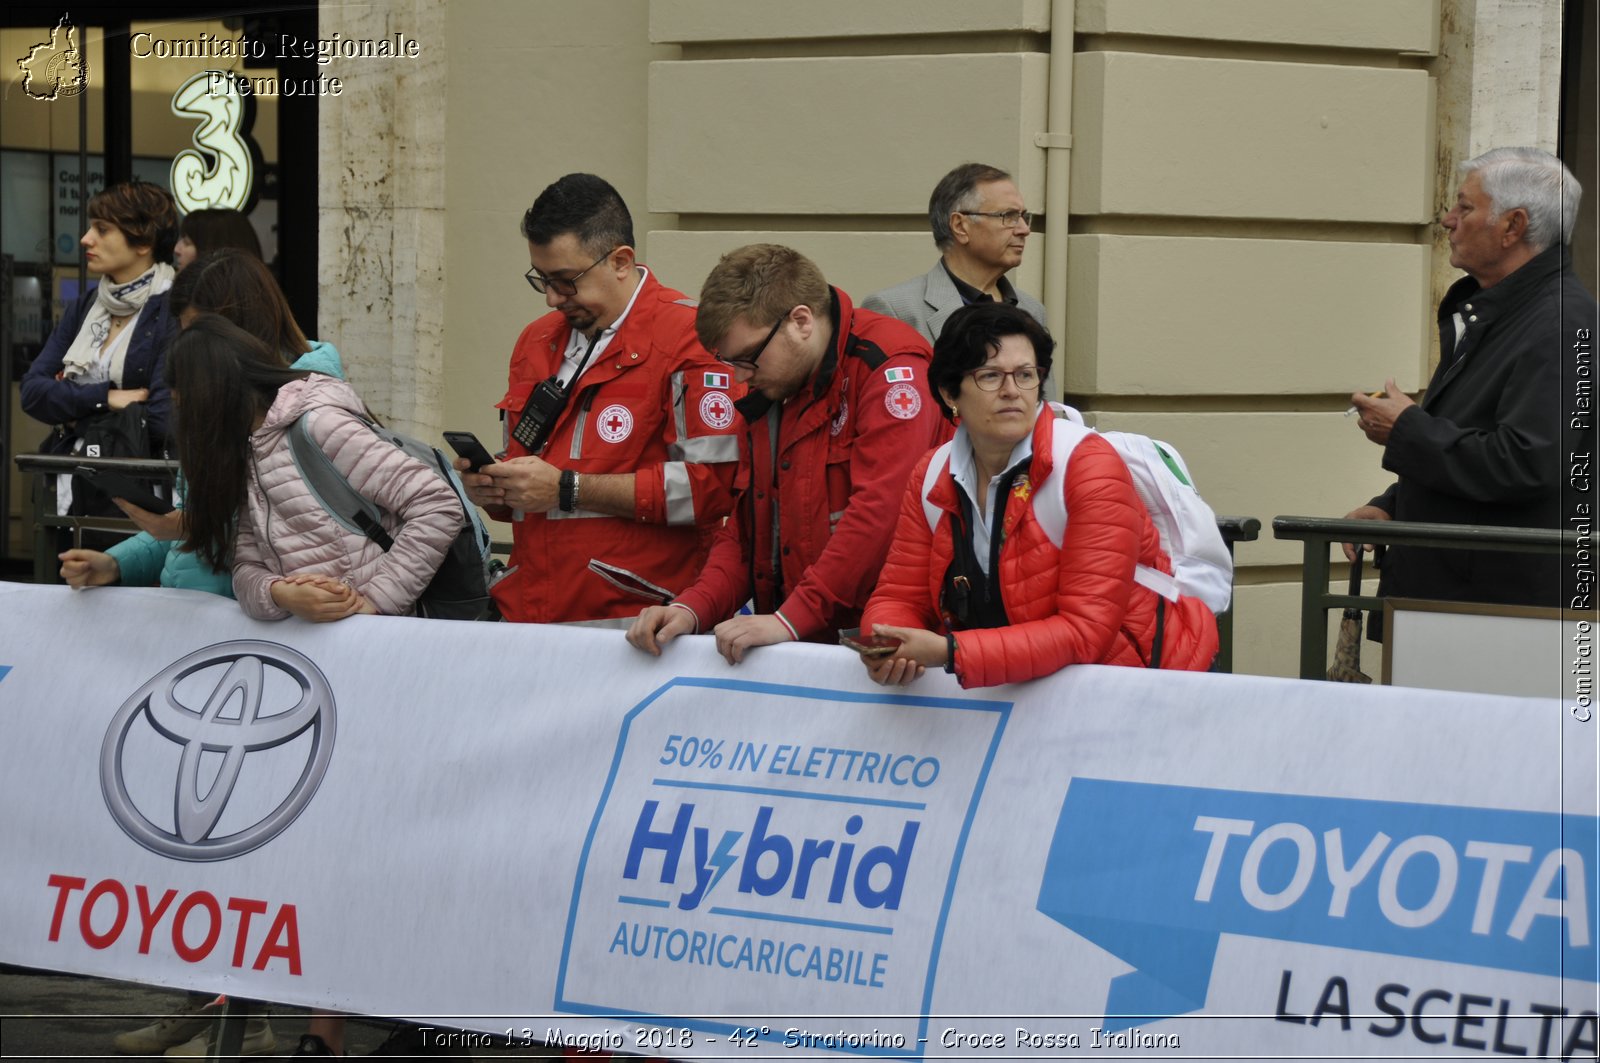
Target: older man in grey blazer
(979,225)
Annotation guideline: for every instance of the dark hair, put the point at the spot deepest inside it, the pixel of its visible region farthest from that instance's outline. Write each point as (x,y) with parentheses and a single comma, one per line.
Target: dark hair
(144,212)
(214,228)
(222,379)
(972,336)
(585,206)
(239,286)
(957,190)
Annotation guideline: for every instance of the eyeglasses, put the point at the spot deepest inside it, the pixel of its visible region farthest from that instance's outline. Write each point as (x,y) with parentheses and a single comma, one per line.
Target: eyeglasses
(1026,378)
(1008,218)
(748,361)
(561,285)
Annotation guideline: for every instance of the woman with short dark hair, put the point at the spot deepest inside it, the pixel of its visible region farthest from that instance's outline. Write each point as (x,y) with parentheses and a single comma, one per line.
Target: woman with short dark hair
(212,229)
(106,352)
(98,376)
(1022,545)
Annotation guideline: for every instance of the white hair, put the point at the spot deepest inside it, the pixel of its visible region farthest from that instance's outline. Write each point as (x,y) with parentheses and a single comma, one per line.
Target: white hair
(1535,181)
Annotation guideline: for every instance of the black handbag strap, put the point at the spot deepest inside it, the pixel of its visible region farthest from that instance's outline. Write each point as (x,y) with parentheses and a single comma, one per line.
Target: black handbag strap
(1161,632)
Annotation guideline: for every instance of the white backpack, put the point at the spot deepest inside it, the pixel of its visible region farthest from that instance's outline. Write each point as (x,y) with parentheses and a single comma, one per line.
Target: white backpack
(1201,565)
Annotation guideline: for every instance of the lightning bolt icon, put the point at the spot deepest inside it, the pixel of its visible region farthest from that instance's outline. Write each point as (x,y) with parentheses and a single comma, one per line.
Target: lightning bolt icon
(723,859)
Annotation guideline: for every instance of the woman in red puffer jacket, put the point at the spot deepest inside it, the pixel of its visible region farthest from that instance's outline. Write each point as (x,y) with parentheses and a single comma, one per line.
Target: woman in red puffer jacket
(1022,546)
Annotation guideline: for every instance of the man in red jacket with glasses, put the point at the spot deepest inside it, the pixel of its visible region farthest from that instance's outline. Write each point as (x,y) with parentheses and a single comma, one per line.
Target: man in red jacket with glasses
(839,411)
(619,426)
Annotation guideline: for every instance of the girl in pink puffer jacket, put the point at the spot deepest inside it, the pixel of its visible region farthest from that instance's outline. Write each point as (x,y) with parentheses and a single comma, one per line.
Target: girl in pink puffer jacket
(289,556)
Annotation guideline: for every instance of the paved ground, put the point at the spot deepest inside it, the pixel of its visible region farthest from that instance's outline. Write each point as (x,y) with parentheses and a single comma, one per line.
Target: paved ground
(59,1016)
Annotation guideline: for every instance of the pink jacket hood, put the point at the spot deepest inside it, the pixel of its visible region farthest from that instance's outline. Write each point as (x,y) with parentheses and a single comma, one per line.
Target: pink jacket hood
(296,398)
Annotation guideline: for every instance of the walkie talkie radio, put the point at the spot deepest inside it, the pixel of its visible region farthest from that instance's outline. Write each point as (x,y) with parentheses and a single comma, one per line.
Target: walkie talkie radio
(546,403)
(544,406)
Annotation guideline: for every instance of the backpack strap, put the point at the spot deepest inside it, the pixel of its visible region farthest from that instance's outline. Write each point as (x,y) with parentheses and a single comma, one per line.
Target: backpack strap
(867,351)
(1153,579)
(1161,633)
(330,487)
(1050,501)
(936,465)
(1050,496)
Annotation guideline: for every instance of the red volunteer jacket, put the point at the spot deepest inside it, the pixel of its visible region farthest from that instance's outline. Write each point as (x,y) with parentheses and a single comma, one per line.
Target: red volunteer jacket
(653,403)
(1073,604)
(846,443)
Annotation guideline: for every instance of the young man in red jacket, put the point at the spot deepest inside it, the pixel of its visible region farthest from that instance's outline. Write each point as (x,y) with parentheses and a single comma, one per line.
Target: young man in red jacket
(621,445)
(839,411)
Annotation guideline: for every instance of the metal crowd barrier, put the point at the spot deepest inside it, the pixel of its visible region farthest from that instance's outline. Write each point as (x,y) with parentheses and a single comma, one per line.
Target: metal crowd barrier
(1234,530)
(46,520)
(1319,533)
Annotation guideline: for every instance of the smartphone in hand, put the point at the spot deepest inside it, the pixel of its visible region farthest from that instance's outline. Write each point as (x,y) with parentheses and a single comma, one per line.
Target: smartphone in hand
(869,646)
(467,446)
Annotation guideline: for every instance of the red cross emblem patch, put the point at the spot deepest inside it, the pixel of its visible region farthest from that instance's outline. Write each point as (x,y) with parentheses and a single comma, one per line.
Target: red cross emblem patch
(716,410)
(615,423)
(903,401)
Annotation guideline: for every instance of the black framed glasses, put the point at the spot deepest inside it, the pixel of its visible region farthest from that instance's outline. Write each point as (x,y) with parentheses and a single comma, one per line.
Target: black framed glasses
(748,361)
(1008,218)
(1026,377)
(561,285)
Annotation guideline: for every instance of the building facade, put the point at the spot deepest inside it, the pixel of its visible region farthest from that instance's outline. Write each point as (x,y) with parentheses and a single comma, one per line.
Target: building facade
(1238,197)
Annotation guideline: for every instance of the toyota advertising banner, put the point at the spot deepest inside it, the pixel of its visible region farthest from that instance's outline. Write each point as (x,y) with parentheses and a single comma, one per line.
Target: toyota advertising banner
(537,832)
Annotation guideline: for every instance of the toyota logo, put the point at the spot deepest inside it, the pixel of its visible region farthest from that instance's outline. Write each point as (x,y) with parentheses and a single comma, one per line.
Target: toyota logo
(251,708)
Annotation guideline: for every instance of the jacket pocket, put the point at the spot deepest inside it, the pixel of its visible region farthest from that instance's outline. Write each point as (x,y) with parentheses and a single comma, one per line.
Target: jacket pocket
(630,582)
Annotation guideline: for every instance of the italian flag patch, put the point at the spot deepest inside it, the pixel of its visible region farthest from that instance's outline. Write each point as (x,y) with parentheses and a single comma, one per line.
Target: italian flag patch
(717,380)
(894,376)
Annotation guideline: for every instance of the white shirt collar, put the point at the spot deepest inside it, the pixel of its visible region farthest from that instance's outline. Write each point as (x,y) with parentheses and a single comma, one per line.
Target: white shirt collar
(964,463)
(964,470)
(578,343)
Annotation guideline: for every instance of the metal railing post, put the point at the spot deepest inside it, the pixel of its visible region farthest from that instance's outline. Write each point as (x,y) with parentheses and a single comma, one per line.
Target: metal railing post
(43,538)
(1319,533)
(1313,616)
(1234,530)
(45,519)
(228,1037)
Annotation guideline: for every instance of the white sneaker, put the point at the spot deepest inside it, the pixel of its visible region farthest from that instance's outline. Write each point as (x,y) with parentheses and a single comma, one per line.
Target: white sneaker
(164,1033)
(258,1041)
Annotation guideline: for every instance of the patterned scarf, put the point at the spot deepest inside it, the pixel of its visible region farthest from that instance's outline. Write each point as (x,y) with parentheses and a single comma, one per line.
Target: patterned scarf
(85,359)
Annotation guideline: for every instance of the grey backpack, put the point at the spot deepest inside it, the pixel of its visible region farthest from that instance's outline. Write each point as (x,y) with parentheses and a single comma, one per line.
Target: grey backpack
(460,588)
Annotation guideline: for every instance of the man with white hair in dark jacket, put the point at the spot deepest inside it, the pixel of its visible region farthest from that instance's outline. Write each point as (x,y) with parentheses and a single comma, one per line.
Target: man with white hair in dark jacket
(1508,415)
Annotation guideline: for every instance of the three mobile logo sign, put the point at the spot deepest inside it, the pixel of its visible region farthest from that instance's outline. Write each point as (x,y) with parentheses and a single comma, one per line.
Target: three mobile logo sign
(736,857)
(1156,874)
